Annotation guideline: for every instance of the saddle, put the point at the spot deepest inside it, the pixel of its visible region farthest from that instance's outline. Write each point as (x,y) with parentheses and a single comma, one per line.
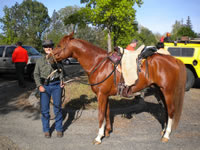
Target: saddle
(147,51)
(115,56)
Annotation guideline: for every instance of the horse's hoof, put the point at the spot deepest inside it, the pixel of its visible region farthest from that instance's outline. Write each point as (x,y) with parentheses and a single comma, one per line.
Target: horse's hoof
(96,142)
(107,135)
(164,140)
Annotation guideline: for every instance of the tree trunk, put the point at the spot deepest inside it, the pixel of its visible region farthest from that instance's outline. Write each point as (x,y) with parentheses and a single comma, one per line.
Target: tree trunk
(109,42)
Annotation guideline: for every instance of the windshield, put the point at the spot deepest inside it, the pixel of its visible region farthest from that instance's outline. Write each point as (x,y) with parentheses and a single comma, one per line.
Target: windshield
(31,51)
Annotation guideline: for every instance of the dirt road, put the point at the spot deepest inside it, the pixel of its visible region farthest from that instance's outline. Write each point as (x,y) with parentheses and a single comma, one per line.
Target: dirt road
(20,127)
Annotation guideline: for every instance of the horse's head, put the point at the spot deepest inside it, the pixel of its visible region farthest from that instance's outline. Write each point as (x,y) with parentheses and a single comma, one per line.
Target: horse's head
(62,50)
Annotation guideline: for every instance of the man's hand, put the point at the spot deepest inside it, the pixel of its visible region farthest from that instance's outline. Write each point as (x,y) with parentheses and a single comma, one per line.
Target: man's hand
(62,84)
(41,88)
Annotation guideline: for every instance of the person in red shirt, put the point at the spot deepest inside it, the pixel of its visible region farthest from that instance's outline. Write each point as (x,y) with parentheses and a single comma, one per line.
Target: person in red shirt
(20,58)
(132,45)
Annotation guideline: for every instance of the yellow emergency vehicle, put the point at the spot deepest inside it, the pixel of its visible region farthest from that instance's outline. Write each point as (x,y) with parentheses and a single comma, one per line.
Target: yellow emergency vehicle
(188,51)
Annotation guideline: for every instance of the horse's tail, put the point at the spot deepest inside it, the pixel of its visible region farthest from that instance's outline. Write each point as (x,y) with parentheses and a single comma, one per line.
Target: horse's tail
(179,93)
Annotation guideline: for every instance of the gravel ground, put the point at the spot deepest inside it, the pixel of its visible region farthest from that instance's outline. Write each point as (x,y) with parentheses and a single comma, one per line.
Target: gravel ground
(20,128)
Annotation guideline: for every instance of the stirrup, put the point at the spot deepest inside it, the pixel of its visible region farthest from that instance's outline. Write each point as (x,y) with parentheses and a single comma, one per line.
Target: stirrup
(123,90)
(120,88)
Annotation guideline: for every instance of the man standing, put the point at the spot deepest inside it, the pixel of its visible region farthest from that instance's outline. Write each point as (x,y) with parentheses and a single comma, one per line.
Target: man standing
(20,58)
(49,82)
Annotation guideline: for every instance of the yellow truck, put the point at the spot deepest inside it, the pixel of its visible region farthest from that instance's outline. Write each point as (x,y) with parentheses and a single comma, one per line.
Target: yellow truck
(189,53)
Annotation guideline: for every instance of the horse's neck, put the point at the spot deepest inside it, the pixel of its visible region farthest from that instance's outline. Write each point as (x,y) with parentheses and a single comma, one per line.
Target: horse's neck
(89,56)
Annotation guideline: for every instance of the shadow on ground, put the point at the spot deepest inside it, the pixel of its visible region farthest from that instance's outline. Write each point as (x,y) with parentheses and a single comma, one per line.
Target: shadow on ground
(124,107)
(10,93)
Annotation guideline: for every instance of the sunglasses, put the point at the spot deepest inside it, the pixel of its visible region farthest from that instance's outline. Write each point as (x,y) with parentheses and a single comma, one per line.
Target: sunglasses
(48,46)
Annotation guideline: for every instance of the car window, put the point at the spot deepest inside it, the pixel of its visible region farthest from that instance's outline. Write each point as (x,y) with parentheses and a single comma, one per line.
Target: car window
(1,50)
(9,51)
(31,51)
(184,52)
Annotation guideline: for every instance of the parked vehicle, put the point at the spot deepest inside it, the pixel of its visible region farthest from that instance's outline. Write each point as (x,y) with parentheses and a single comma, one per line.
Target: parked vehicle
(70,60)
(188,51)
(6,64)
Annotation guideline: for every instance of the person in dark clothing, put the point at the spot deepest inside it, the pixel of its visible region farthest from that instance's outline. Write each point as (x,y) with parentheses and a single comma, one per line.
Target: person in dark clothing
(20,58)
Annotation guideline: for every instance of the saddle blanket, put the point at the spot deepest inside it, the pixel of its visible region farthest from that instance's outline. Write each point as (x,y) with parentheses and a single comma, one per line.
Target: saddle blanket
(129,65)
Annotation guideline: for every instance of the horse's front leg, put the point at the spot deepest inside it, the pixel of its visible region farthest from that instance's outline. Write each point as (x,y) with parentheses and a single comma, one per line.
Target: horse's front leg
(102,106)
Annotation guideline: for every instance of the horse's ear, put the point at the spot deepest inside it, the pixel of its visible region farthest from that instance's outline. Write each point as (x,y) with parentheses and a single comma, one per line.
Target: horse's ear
(71,35)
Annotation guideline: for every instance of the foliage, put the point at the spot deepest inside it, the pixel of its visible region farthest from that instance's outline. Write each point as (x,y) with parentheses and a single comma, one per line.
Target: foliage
(93,35)
(189,23)
(55,30)
(65,21)
(175,29)
(180,29)
(116,17)
(25,22)
(186,31)
(9,36)
(146,37)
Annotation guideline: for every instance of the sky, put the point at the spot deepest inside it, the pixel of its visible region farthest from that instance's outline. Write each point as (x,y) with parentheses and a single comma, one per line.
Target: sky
(156,15)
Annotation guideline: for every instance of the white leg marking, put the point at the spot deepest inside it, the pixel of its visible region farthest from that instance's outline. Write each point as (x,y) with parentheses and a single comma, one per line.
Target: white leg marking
(101,132)
(169,128)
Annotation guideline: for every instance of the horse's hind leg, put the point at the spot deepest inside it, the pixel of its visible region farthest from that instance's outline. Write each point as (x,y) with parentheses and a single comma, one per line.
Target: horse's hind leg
(102,102)
(170,112)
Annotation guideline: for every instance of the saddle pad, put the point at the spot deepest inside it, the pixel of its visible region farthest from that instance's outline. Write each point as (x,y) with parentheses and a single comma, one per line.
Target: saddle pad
(162,51)
(129,65)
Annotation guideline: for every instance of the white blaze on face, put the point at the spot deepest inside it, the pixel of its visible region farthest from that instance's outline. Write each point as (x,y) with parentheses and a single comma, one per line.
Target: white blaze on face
(169,128)
(101,132)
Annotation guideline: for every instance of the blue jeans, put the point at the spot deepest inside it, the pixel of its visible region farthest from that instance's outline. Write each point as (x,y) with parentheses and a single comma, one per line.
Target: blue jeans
(54,90)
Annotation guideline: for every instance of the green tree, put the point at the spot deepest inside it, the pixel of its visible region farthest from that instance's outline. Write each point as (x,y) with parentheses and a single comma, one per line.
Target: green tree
(186,31)
(146,36)
(189,23)
(9,26)
(93,35)
(175,29)
(116,17)
(57,29)
(25,22)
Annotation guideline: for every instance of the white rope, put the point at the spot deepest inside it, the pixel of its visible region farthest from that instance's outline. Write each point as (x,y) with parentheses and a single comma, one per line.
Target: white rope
(51,74)
(69,80)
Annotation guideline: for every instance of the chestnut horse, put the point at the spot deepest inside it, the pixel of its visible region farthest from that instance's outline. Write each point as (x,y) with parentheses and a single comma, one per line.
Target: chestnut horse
(166,72)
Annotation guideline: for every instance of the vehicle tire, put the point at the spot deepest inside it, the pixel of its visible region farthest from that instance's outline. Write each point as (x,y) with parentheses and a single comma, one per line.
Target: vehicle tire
(190,79)
(67,61)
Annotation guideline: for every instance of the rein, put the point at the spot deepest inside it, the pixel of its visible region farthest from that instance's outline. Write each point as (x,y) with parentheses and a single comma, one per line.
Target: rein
(115,66)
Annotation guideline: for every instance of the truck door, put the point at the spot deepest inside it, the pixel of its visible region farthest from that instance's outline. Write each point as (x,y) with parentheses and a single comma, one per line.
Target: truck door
(1,56)
(7,60)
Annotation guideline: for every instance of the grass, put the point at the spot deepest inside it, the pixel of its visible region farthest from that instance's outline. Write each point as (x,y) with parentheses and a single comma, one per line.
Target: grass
(81,96)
